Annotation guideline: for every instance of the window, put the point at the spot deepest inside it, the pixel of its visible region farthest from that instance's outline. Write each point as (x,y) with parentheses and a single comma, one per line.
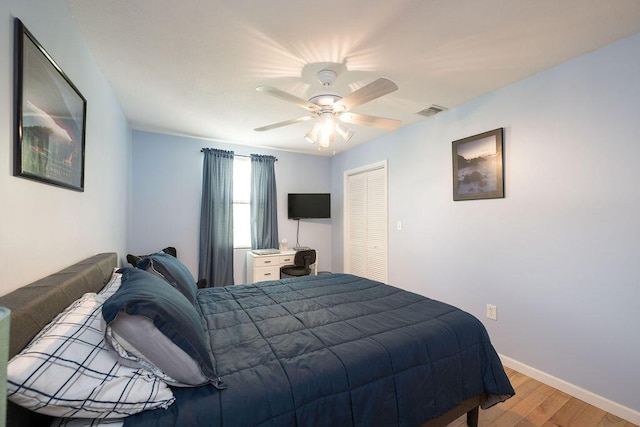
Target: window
(241,202)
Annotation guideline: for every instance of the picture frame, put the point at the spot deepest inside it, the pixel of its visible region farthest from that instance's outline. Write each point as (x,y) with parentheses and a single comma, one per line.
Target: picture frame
(50,117)
(478,166)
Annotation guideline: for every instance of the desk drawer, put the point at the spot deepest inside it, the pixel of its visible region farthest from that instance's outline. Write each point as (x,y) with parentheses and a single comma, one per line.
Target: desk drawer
(286,259)
(266,261)
(267,273)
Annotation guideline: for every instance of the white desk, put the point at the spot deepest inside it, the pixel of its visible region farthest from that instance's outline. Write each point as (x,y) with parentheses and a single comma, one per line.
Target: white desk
(267,267)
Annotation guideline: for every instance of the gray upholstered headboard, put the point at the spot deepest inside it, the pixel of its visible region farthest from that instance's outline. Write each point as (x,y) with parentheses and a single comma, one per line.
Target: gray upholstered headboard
(35,305)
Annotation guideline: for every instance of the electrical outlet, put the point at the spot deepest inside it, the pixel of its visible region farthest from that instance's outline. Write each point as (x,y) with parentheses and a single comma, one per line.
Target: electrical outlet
(492,312)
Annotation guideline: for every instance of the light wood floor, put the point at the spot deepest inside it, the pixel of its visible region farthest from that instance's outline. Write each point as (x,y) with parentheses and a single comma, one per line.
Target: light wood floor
(537,404)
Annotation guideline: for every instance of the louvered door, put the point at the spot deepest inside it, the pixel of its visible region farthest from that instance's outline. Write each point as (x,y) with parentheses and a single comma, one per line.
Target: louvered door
(366,222)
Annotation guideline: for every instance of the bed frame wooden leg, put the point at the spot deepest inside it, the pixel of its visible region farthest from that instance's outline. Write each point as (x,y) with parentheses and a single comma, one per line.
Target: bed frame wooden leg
(472,417)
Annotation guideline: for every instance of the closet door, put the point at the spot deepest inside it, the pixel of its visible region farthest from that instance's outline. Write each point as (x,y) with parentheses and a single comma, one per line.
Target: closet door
(356,236)
(366,222)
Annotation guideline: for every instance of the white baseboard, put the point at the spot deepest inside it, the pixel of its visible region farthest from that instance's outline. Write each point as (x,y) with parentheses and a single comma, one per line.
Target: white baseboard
(605,404)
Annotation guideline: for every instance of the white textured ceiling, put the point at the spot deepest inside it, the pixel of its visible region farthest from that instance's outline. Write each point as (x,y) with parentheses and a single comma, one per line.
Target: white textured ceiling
(190,67)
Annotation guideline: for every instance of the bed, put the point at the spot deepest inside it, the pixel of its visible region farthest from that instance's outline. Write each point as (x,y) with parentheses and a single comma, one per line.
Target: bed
(331,349)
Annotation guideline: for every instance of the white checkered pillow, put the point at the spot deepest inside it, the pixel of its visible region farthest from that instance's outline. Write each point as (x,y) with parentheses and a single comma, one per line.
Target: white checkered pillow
(87,422)
(67,371)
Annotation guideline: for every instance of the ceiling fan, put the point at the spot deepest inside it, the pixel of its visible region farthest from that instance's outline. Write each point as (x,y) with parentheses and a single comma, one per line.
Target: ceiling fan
(332,110)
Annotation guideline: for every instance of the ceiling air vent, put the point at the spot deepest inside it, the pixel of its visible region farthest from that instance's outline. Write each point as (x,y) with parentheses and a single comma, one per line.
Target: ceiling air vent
(430,111)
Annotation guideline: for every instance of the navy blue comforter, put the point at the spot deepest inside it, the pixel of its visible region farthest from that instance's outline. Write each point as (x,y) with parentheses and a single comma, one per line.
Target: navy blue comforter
(334,350)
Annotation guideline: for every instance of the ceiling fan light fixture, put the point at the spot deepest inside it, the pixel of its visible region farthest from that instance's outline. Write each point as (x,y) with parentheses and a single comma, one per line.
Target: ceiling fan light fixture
(326,139)
(344,131)
(331,110)
(312,135)
(327,122)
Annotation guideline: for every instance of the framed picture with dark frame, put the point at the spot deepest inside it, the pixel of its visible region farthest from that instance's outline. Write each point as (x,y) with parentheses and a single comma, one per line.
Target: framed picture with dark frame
(478,166)
(50,117)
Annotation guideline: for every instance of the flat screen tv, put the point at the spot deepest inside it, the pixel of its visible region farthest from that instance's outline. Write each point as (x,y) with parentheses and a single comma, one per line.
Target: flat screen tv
(309,205)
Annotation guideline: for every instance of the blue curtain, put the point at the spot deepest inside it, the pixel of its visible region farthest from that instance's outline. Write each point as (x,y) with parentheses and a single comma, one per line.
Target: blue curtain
(216,218)
(264,203)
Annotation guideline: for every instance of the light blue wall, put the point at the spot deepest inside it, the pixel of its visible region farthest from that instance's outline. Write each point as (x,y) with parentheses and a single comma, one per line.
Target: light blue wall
(167,185)
(560,255)
(45,228)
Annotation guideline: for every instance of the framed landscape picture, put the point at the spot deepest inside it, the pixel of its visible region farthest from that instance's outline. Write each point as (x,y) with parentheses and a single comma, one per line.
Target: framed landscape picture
(478,166)
(50,116)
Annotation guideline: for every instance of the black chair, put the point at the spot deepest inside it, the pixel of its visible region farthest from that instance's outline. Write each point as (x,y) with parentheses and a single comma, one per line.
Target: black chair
(302,264)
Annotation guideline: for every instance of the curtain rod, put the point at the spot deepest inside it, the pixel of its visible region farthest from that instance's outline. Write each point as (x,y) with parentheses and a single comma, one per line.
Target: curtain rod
(239,155)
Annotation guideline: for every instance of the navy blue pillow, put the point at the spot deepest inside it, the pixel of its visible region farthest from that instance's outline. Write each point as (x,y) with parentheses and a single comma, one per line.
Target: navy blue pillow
(173,271)
(145,301)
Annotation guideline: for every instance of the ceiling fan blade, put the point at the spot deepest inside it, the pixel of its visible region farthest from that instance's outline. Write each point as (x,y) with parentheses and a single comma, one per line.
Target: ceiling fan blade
(364,119)
(285,123)
(368,93)
(288,97)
